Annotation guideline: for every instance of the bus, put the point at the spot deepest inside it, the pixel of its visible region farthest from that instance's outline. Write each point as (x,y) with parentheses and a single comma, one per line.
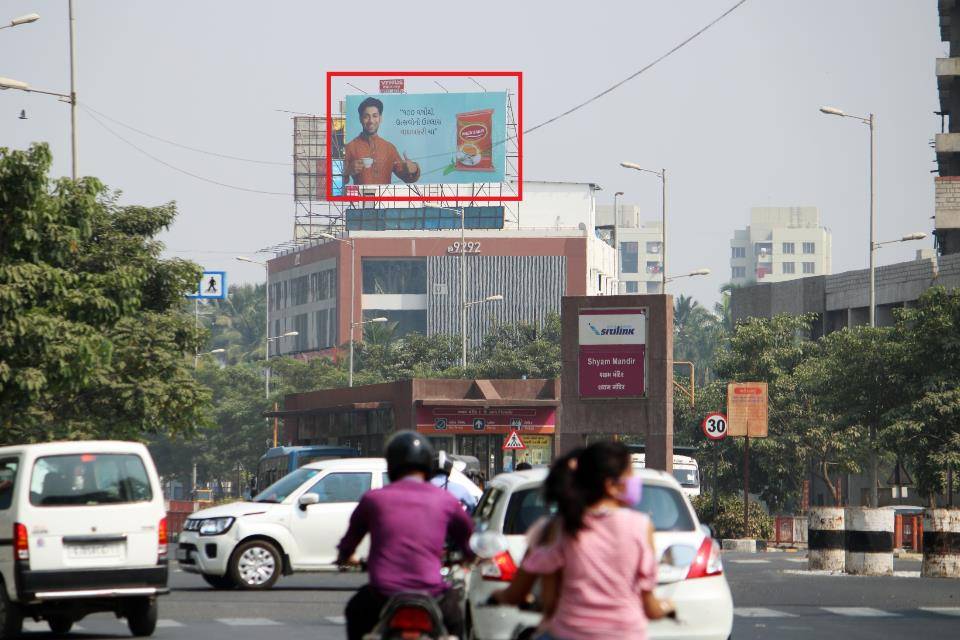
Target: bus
(279,461)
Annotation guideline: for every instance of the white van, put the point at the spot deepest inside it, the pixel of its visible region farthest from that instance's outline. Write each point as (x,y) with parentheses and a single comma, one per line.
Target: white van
(82,529)
(686,471)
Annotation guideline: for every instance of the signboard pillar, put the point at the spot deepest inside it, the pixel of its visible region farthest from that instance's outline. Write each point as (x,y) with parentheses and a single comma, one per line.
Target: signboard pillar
(617,376)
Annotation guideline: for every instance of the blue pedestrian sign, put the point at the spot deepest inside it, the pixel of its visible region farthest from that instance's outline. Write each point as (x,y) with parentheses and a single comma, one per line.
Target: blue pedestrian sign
(212,286)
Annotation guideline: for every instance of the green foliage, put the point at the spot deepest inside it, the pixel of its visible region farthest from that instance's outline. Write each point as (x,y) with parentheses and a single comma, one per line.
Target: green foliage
(238,323)
(92,341)
(522,349)
(728,522)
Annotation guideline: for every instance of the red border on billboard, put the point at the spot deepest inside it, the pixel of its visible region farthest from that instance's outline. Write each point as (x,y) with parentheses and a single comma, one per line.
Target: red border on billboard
(359,197)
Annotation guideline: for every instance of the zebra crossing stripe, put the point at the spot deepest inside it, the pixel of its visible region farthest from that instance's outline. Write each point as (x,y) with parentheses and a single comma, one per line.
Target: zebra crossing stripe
(760,612)
(749,561)
(944,611)
(249,622)
(336,620)
(163,623)
(860,612)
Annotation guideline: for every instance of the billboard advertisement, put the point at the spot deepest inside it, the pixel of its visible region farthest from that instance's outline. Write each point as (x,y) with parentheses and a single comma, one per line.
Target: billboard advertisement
(612,353)
(426,138)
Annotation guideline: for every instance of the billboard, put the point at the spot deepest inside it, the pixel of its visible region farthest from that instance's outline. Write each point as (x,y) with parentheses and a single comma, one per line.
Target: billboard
(426,138)
(747,409)
(450,420)
(612,351)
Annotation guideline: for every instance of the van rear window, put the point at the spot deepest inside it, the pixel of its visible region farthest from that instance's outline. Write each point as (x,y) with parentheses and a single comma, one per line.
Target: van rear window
(89,479)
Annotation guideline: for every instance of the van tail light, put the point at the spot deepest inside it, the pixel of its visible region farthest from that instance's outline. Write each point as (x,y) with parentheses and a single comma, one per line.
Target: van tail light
(412,619)
(21,543)
(707,562)
(162,538)
(500,567)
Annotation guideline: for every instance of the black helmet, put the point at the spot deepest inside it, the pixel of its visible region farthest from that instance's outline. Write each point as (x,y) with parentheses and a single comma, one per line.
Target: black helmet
(408,451)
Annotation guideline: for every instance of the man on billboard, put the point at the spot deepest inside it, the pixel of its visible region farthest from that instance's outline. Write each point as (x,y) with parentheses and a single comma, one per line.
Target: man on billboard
(369,159)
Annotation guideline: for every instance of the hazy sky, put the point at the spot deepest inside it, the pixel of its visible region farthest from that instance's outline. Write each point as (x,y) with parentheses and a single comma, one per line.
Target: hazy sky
(733,116)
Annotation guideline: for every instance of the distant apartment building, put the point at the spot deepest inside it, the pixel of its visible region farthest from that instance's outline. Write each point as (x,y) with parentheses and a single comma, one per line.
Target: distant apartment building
(638,247)
(781,243)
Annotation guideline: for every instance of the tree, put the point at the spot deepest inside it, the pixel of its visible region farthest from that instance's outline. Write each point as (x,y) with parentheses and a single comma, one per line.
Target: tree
(239,322)
(697,335)
(92,341)
(522,349)
(926,428)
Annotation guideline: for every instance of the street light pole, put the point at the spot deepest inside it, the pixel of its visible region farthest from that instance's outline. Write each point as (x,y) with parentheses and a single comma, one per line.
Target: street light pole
(73,90)
(662,174)
(463,289)
(872,123)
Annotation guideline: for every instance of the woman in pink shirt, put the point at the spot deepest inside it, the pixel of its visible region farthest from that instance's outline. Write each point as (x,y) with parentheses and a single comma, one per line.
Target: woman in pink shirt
(604,550)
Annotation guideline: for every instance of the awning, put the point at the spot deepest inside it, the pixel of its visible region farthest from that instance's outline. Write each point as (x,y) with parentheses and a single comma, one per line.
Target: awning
(353,406)
(485,402)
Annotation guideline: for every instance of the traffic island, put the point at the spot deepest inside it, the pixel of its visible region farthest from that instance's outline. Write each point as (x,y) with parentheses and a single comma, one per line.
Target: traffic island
(743,545)
(941,543)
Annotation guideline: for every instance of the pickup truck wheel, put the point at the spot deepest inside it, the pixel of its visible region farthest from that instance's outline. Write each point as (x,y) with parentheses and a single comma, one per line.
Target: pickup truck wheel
(60,625)
(11,617)
(255,565)
(142,617)
(219,582)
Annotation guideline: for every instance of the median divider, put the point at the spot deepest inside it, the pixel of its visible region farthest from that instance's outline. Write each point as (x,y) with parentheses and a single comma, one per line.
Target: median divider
(825,539)
(941,543)
(868,541)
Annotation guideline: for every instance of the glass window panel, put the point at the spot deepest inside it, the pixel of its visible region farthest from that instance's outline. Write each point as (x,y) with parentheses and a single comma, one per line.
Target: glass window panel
(629,257)
(394,276)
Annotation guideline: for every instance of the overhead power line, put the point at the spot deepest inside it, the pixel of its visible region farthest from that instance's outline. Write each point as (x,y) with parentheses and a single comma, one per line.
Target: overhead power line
(177,144)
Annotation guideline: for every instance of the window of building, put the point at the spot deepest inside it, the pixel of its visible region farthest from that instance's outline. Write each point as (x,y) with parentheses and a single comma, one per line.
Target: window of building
(739,272)
(809,247)
(300,290)
(632,287)
(629,257)
(388,219)
(653,287)
(809,267)
(788,248)
(738,252)
(654,266)
(395,276)
(399,322)
(653,247)
(788,267)
(763,249)
(302,339)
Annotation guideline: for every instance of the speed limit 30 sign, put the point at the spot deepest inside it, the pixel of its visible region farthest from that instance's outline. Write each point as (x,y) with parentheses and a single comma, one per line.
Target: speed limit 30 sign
(715,426)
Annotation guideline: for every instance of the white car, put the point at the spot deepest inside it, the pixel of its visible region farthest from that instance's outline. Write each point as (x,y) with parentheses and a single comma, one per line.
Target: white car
(690,570)
(89,534)
(293,525)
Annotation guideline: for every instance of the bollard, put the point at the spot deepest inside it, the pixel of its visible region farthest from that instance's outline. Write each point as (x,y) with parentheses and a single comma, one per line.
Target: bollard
(869,541)
(941,543)
(825,539)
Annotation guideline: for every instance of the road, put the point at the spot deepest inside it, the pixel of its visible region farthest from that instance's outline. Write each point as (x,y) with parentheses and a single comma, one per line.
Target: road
(773,596)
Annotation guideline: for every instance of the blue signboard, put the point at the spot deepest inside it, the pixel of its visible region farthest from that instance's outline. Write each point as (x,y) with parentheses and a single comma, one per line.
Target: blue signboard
(212,286)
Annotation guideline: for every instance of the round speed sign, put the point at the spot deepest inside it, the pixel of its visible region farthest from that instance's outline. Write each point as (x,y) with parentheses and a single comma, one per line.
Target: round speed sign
(715,426)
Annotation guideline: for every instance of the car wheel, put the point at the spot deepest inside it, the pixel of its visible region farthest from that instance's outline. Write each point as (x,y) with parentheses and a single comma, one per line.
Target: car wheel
(60,624)
(219,582)
(142,617)
(11,617)
(255,565)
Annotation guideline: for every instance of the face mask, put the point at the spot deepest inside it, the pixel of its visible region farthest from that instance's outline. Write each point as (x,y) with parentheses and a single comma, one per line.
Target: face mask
(633,491)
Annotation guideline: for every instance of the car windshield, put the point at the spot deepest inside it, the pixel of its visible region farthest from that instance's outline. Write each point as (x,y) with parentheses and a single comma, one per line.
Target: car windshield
(279,490)
(686,477)
(89,479)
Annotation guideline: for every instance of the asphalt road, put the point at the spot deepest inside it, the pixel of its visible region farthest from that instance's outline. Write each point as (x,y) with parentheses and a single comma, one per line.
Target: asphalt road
(773,595)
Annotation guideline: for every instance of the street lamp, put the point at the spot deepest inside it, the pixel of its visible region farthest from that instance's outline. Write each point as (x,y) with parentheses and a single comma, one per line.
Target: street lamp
(197,356)
(288,334)
(692,274)
(917,235)
(357,324)
(353,291)
(870,121)
(7,83)
(662,174)
(266,335)
(463,280)
(27,19)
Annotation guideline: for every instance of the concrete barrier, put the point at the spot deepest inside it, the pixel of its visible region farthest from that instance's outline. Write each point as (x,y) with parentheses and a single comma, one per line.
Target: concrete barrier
(825,539)
(745,545)
(941,543)
(869,541)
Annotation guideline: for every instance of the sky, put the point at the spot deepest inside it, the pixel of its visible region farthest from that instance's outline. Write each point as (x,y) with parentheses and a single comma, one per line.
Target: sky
(733,116)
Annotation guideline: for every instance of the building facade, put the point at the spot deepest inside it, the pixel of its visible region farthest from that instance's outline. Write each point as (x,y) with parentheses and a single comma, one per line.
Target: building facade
(947,143)
(638,247)
(404,264)
(781,243)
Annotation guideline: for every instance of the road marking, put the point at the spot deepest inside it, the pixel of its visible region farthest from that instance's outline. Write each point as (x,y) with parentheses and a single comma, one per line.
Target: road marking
(760,612)
(795,559)
(336,620)
(860,612)
(749,561)
(163,623)
(249,622)
(32,625)
(944,611)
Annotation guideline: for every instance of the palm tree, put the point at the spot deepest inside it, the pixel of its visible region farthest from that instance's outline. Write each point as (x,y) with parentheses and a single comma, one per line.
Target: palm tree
(239,323)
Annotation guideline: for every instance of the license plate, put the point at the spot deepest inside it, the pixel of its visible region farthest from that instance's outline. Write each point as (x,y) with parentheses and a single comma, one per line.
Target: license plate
(107,550)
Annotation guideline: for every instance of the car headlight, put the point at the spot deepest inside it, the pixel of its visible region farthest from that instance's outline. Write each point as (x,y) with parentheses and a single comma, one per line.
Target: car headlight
(216,526)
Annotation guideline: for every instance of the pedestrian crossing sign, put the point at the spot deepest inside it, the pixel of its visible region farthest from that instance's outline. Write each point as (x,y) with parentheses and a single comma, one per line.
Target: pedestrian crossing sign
(212,286)
(513,442)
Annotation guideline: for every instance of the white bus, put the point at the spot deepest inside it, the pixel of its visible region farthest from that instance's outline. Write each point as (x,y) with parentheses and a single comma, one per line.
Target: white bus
(685,470)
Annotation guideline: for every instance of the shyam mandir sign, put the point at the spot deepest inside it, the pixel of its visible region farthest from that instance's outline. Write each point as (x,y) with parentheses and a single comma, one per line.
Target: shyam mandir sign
(612,350)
